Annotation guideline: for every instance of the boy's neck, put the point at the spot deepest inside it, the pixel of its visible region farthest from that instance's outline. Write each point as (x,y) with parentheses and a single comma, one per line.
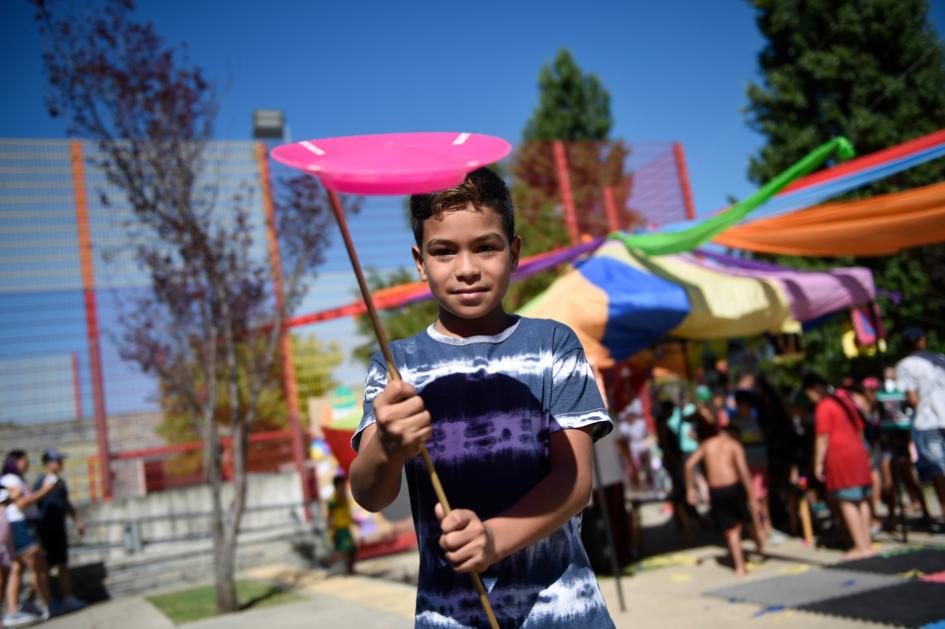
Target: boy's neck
(490,325)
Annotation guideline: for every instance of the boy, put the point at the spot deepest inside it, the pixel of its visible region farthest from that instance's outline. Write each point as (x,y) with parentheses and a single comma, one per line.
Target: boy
(339,521)
(730,487)
(746,426)
(508,409)
(54,507)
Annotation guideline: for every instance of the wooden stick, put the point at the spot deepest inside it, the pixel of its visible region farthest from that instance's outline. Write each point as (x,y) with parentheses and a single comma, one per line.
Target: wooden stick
(806,524)
(394,374)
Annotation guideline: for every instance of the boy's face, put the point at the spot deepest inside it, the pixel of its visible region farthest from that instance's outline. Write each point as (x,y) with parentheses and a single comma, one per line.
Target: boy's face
(467,260)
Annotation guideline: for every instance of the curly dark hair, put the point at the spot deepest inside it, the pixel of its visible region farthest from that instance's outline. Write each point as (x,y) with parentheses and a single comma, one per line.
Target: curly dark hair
(482,187)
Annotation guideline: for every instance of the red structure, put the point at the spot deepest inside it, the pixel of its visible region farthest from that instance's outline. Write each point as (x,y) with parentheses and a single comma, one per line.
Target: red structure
(610,207)
(91,316)
(683,173)
(288,365)
(567,197)
(76,387)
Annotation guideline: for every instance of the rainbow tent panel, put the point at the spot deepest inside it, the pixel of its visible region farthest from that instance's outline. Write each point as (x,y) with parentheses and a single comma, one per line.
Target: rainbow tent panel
(721,305)
(812,294)
(619,302)
(615,308)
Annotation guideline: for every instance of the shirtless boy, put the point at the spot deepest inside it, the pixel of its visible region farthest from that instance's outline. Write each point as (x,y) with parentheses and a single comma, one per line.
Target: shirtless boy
(730,487)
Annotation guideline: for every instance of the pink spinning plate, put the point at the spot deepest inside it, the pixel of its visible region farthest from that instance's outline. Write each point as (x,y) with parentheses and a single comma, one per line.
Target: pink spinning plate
(393,163)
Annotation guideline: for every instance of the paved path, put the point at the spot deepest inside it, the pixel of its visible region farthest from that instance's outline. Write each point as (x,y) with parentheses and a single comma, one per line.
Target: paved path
(129,613)
(669,591)
(318,610)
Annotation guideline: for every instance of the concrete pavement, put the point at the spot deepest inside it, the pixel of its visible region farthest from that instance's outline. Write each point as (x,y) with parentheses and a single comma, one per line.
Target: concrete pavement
(132,613)
(318,610)
(667,590)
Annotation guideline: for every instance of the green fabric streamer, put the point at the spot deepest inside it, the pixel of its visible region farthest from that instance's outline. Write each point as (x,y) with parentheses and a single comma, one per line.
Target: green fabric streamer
(661,244)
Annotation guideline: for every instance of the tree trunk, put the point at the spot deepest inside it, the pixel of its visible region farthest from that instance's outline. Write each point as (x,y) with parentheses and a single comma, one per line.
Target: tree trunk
(224,568)
(224,553)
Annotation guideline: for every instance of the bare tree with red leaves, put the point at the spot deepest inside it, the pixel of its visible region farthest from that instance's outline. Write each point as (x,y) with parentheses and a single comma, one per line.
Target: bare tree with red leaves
(210,326)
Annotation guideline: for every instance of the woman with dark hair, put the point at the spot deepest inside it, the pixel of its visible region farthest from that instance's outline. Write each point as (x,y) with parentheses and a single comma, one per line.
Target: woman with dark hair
(841,460)
(20,509)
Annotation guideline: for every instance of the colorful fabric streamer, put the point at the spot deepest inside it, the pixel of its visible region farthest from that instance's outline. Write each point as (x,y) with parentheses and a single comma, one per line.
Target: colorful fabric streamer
(664,243)
(877,226)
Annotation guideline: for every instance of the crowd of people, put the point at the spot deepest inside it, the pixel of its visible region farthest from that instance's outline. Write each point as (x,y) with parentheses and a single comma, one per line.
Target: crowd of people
(33,538)
(759,454)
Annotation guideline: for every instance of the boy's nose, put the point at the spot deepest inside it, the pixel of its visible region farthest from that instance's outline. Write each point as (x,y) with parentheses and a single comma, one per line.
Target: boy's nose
(467,270)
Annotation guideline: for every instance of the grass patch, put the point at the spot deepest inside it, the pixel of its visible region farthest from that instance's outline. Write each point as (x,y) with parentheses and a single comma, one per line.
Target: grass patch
(200,602)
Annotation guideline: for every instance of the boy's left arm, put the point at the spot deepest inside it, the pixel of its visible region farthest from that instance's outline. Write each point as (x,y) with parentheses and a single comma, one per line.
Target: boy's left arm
(474,545)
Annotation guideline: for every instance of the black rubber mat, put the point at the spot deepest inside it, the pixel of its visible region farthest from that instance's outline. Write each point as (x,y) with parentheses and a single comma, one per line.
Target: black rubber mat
(914,563)
(910,604)
(810,587)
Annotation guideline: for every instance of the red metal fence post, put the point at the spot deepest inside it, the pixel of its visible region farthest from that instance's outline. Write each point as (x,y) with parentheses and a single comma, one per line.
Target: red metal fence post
(288,365)
(91,316)
(610,206)
(76,387)
(683,173)
(567,197)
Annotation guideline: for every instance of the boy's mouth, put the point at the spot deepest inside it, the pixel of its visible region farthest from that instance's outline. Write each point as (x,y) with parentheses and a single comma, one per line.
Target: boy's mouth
(470,296)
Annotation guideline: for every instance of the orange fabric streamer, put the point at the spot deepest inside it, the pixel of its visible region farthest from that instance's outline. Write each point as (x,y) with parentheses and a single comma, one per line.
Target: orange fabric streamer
(877,226)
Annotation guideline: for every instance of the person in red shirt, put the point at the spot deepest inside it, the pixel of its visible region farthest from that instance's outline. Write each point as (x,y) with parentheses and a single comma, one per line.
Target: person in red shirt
(841,460)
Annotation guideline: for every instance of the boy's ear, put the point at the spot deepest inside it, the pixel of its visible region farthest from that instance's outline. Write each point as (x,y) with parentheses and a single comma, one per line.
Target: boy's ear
(515,247)
(418,260)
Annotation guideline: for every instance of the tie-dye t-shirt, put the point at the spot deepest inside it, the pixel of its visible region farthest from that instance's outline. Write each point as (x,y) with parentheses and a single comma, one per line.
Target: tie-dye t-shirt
(495,400)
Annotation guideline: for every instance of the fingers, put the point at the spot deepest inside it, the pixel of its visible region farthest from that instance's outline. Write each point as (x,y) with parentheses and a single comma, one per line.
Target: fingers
(466,540)
(473,564)
(396,391)
(460,527)
(402,419)
(457,519)
(398,402)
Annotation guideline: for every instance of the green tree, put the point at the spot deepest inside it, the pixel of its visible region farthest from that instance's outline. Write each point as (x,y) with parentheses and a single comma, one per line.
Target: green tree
(314,364)
(571,105)
(872,71)
(178,426)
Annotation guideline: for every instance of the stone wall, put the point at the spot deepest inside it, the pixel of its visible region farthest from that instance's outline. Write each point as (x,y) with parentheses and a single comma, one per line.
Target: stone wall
(176,519)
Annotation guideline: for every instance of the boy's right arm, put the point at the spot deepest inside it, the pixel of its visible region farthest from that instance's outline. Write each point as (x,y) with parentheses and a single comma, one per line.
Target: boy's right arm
(401,429)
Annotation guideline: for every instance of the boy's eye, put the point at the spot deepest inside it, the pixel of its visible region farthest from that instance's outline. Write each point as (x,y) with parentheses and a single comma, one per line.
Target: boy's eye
(441,253)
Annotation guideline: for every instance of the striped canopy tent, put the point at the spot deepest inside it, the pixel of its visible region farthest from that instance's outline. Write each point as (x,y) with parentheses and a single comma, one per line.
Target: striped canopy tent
(619,301)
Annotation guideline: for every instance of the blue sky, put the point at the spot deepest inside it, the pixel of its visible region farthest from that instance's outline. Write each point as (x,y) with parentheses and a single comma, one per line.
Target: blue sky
(676,70)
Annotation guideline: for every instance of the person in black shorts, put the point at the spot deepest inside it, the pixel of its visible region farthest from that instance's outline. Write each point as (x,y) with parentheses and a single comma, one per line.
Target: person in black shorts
(729,506)
(730,487)
(54,508)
